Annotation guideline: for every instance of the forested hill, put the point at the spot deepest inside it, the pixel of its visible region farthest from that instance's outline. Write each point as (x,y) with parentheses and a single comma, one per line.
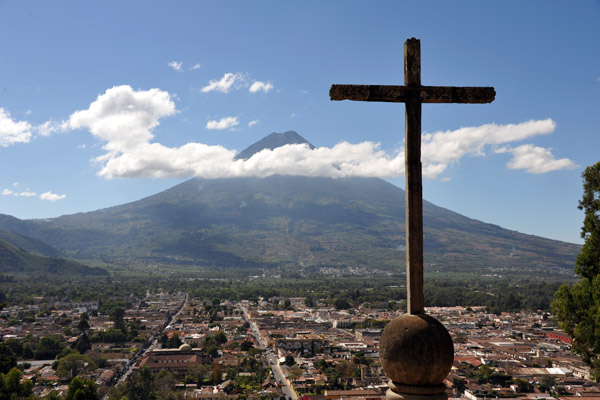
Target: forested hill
(14,260)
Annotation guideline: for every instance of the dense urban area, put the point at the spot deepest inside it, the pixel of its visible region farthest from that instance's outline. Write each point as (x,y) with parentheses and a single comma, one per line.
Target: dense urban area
(204,342)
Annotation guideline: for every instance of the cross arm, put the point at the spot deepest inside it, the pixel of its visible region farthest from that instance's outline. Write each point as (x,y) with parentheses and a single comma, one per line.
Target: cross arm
(420,94)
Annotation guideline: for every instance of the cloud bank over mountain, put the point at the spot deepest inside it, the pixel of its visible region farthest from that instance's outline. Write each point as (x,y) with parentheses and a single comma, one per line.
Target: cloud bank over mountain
(123,119)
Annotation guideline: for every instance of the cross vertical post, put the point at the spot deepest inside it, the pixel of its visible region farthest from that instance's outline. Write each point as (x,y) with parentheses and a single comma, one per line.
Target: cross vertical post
(414,185)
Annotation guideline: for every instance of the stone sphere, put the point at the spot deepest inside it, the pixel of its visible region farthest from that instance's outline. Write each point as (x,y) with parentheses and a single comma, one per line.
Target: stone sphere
(416,350)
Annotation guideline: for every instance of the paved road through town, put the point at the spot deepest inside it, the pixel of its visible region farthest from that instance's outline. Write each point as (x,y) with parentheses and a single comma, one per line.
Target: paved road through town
(272,359)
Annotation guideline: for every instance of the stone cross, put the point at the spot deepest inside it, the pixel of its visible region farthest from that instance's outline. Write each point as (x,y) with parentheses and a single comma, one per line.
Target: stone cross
(413,94)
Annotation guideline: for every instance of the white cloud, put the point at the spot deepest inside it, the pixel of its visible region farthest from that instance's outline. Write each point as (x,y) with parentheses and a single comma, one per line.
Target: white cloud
(238,80)
(223,123)
(535,160)
(124,120)
(49,196)
(197,66)
(177,66)
(225,84)
(27,193)
(440,149)
(259,86)
(12,132)
(50,127)
(253,123)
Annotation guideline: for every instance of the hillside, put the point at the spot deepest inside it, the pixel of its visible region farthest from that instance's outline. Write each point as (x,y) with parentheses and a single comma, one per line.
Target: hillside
(14,260)
(29,244)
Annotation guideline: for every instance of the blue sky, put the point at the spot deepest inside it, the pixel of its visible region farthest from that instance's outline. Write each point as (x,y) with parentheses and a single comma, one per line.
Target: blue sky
(106,103)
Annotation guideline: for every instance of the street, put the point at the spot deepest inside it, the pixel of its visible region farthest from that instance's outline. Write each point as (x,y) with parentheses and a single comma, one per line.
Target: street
(271,358)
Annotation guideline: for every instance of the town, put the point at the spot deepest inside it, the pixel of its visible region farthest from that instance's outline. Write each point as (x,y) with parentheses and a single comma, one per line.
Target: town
(280,348)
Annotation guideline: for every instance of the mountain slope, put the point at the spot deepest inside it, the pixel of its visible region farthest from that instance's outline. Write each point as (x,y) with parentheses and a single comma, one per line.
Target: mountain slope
(16,260)
(29,244)
(309,222)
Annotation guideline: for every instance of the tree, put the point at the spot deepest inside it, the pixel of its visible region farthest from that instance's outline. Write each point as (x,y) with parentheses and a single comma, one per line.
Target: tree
(246,345)
(289,360)
(577,307)
(73,364)
(8,359)
(174,342)
(82,390)
(460,337)
(547,382)
(295,372)
(49,347)
(309,302)
(11,386)
(221,337)
(83,343)
(212,350)
(140,386)
(83,325)
(341,304)
(216,375)
(523,386)
(459,385)
(117,315)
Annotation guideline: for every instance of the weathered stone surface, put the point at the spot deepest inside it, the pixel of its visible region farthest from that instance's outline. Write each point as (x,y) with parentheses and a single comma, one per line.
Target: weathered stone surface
(416,350)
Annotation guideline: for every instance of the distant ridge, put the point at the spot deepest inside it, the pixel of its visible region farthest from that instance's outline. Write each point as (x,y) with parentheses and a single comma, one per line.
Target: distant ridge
(29,244)
(18,261)
(273,141)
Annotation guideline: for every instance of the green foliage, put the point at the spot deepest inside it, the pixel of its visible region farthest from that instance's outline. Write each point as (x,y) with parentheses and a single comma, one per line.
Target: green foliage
(460,337)
(246,345)
(110,335)
(147,386)
(577,307)
(588,260)
(341,304)
(49,347)
(82,390)
(83,343)
(289,360)
(173,342)
(523,386)
(117,314)
(459,385)
(547,382)
(18,261)
(295,372)
(73,364)
(8,359)
(221,337)
(11,387)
